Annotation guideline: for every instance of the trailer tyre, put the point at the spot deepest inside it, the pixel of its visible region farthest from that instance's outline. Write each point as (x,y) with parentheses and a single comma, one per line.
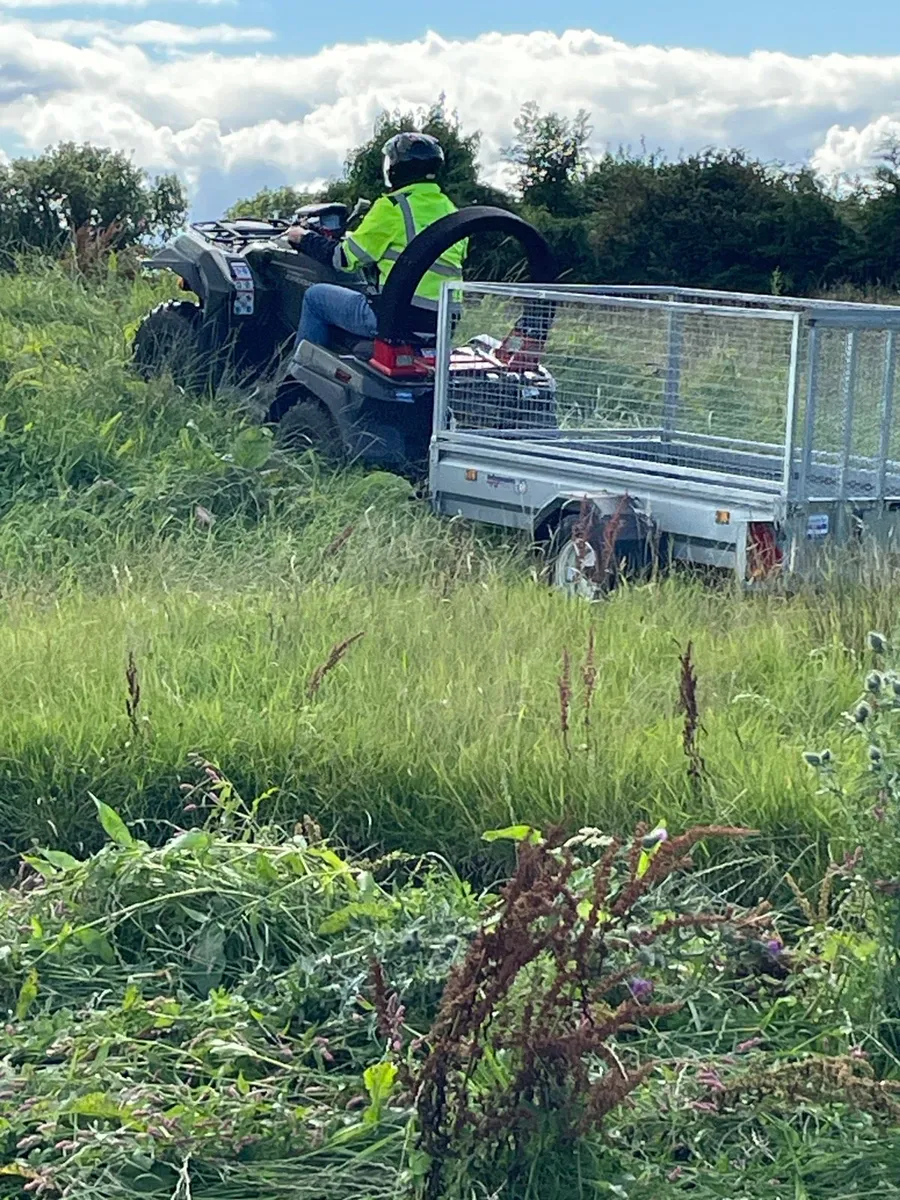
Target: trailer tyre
(589,554)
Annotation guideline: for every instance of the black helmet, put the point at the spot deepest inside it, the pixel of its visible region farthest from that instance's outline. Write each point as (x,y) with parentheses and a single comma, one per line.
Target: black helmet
(411,158)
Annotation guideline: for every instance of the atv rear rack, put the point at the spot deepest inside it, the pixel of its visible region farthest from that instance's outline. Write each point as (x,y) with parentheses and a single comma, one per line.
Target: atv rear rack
(235,235)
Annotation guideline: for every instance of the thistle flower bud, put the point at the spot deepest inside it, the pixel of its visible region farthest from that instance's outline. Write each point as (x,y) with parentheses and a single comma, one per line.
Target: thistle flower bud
(875,756)
(862,712)
(654,837)
(817,758)
(874,682)
(877,642)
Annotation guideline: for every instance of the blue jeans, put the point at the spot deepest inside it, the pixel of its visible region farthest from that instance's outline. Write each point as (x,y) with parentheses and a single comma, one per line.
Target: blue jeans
(326,305)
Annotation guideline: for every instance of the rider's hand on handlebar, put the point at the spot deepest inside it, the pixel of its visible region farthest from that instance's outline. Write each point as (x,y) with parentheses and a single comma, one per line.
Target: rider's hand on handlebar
(296,234)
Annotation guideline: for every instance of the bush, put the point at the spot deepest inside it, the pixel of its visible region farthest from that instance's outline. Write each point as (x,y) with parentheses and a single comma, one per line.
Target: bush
(83,196)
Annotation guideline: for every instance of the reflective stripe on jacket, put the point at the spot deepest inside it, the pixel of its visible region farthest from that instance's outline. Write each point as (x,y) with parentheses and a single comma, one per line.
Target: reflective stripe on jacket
(387,229)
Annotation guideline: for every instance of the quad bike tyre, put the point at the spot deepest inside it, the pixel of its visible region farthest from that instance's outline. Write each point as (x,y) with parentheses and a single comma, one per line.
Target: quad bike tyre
(168,339)
(307,426)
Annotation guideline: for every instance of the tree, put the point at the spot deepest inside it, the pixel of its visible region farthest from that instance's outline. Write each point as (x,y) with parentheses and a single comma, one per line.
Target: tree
(550,158)
(89,191)
(718,219)
(363,170)
(490,256)
(876,219)
(273,204)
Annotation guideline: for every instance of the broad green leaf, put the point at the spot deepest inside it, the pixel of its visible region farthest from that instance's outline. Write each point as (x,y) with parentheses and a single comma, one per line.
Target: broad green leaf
(860,947)
(265,868)
(209,956)
(43,868)
(333,860)
(27,995)
(585,907)
(418,1163)
(513,833)
(60,860)
(113,825)
(337,921)
(191,839)
(252,448)
(379,1083)
(131,998)
(340,919)
(95,943)
(96,1104)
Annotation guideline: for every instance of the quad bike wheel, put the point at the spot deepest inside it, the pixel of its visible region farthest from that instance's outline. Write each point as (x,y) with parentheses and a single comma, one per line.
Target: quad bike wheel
(307,426)
(168,339)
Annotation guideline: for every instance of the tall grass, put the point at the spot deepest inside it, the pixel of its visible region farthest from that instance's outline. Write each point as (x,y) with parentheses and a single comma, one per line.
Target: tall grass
(443,720)
(137,519)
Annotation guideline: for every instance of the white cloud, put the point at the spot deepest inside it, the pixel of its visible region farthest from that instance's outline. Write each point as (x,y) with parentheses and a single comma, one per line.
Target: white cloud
(851,150)
(231,123)
(150,33)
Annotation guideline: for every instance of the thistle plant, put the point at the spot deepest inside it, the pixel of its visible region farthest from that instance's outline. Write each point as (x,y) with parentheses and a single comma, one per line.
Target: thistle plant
(869,781)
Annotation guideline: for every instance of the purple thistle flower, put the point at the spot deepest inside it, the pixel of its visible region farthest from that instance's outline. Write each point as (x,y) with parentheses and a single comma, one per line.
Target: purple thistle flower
(640,988)
(774,947)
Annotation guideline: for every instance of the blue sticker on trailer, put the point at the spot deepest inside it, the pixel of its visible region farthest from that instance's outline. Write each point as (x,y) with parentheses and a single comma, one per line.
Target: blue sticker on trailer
(817,525)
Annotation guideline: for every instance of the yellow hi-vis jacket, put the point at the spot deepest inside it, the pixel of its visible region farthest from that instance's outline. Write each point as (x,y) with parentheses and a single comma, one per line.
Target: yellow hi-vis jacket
(387,229)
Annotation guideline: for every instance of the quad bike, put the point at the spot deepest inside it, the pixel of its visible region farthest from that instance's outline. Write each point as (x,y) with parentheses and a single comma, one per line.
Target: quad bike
(358,401)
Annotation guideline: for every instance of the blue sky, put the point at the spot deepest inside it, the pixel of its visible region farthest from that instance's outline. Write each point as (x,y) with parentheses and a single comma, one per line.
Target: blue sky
(234,94)
(795,26)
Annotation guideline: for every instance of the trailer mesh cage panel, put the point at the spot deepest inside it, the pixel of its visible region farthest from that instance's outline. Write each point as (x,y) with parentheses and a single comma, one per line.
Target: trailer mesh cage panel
(794,392)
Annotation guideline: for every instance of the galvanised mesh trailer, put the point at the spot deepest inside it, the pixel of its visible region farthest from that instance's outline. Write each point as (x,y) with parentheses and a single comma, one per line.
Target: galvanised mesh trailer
(744,432)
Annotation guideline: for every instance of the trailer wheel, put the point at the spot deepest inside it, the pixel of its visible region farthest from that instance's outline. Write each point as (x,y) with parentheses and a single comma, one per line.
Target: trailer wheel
(590,552)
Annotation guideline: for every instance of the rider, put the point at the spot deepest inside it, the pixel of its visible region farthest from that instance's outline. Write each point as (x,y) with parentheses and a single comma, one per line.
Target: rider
(411,163)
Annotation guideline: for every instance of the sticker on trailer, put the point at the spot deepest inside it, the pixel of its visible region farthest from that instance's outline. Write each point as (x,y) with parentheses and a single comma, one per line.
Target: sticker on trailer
(243,304)
(240,270)
(817,525)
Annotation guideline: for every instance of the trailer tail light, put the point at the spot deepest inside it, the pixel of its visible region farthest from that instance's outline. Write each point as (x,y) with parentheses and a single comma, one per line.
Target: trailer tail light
(764,555)
(398,362)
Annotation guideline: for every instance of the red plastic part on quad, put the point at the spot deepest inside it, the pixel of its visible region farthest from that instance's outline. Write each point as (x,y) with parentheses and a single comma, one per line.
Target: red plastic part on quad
(516,353)
(400,362)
